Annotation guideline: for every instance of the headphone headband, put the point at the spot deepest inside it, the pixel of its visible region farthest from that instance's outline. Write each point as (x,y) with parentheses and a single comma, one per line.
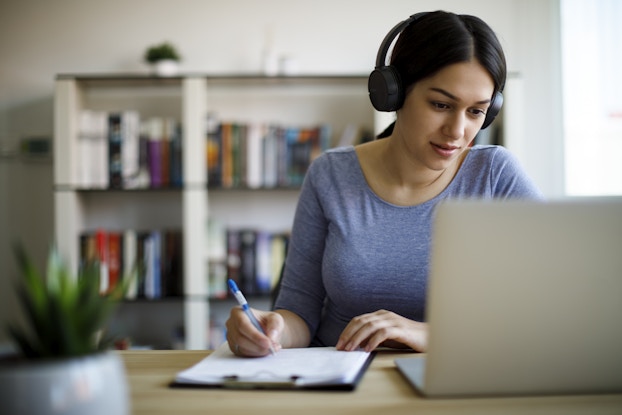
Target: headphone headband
(381,58)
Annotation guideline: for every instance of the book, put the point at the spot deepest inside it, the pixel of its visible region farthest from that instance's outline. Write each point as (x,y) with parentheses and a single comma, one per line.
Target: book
(101,246)
(278,252)
(172,264)
(263,262)
(227,163)
(248,261)
(115,259)
(239,154)
(214,151)
(270,152)
(154,151)
(114,151)
(298,368)
(123,148)
(142,179)
(165,152)
(130,261)
(92,149)
(130,147)
(233,255)
(153,265)
(217,258)
(88,250)
(176,154)
(142,242)
(298,142)
(254,155)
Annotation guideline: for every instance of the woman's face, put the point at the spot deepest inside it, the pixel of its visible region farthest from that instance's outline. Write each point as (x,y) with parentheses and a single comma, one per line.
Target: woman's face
(442,113)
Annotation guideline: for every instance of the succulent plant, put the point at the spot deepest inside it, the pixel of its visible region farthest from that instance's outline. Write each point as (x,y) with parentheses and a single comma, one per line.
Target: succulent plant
(65,314)
(160,52)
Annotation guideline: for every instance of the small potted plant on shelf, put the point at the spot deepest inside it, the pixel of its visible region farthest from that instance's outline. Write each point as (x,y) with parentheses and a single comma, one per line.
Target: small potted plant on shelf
(163,58)
(64,364)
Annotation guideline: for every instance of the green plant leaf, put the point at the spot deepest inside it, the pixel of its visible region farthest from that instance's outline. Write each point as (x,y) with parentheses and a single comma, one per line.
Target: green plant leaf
(36,318)
(31,278)
(63,314)
(161,51)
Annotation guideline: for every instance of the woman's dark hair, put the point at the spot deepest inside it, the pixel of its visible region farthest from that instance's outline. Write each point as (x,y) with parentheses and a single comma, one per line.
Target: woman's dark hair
(438,39)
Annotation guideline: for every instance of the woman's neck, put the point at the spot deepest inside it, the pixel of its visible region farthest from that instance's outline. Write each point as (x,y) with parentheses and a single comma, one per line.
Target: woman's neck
(401,180)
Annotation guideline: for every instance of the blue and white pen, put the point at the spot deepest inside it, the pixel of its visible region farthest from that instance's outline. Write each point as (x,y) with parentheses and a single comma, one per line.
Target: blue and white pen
(244,304)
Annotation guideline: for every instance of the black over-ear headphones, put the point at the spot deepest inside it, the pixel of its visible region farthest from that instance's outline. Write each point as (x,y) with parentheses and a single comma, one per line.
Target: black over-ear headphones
(385,86)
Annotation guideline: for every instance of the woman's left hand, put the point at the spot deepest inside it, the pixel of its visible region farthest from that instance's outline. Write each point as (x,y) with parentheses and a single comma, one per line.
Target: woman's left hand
(383,328)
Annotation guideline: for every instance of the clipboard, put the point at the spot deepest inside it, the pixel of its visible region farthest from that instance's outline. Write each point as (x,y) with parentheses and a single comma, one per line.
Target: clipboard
(323,368)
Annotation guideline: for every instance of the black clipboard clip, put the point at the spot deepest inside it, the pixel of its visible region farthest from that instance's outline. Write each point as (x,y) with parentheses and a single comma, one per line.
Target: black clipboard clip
(265,382)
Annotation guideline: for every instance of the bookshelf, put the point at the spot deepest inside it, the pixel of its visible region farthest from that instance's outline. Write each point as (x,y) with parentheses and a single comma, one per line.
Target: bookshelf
(336,100)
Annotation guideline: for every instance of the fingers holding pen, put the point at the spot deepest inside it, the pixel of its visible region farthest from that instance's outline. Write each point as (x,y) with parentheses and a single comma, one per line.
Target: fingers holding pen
(243,337)
(245,333)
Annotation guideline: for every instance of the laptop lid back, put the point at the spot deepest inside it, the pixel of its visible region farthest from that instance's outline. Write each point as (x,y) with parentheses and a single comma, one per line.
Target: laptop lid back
(525,298)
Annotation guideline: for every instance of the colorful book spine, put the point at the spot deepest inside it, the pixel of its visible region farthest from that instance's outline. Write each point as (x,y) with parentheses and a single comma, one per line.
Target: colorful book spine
(270,156)
(254,155)
(153,277)
(130,148)
(130,262)
(227,155)
(263,258)
(254,260)
(248,261)
(115,258)
(172,264)
(214,152)
(101,244)
(115,174)
(176,155)
(233,255)
(154,151)
(155,257)
(258,155)
(92,150)
(165,152)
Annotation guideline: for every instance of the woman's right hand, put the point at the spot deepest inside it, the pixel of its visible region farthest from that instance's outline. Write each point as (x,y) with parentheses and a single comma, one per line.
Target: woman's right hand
(245,340)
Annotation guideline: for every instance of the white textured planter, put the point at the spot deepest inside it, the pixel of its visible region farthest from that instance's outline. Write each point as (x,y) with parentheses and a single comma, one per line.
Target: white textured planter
(166,68)
(86,385)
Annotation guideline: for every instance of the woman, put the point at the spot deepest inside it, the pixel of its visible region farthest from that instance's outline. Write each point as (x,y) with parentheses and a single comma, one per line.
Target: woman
(357,263)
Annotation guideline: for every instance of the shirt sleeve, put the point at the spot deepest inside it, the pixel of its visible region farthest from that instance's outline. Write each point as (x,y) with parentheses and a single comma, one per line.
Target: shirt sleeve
(302,291)
(508,178)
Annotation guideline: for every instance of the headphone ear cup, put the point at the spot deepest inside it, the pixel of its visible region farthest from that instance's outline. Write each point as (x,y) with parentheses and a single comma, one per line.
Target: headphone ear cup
(385,89)
(493,109)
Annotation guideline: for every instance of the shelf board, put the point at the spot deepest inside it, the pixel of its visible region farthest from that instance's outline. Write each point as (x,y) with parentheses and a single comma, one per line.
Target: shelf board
(254,189)
(148,77)
(70,188)
(142,79)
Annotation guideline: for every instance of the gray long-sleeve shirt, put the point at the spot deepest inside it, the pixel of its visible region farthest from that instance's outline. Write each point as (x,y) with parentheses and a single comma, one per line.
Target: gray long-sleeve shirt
(352,253)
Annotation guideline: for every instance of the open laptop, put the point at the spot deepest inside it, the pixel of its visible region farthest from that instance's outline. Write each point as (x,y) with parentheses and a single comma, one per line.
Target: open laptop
(525,298)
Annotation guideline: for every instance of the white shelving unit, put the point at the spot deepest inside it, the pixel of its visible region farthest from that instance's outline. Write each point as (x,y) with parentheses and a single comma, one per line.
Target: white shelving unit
(302,100)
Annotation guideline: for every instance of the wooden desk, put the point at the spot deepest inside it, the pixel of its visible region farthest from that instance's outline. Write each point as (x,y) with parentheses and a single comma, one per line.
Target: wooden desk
(382,391)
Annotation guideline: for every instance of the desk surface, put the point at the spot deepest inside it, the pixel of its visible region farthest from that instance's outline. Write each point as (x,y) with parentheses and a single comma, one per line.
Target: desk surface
(381,391)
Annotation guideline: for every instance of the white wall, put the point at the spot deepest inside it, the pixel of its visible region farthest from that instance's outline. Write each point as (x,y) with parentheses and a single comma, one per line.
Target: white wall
(39,39)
